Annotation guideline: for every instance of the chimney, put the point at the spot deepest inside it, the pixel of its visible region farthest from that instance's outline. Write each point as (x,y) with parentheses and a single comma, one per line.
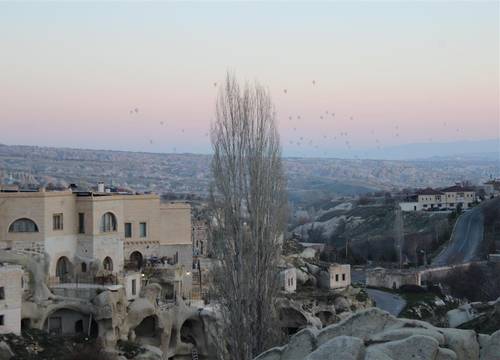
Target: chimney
(100,187)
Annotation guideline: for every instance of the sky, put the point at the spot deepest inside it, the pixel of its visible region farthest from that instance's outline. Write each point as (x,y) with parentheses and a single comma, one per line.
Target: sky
(344,76)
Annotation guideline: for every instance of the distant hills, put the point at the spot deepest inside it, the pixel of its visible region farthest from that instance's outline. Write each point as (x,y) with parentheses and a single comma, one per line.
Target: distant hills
(474,150)
(190,173)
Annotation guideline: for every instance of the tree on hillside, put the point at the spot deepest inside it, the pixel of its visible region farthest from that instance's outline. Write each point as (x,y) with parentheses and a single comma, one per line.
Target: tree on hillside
(249,207)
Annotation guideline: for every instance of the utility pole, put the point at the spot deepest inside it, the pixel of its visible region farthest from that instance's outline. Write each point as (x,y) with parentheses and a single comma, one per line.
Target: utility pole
(399,232)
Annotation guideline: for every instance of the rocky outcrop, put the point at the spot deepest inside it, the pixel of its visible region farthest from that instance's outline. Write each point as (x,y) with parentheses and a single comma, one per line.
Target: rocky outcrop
(374,334)
(5,351)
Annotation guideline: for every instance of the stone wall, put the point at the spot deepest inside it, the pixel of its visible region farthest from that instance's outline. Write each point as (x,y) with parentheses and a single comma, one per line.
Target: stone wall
(11,291)
(391,278)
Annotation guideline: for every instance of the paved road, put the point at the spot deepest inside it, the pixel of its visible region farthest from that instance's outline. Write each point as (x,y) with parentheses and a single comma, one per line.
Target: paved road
(389,302)
(465,241)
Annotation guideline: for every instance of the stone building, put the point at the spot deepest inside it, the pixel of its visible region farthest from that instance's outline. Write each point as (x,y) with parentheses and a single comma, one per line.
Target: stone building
(443,199)
(288,280)
(339,276)
(392,278)
(95,235)
(11,290)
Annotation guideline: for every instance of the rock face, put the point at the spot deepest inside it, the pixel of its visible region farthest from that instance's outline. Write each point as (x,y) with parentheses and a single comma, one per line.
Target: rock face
(5,351)
(374,334)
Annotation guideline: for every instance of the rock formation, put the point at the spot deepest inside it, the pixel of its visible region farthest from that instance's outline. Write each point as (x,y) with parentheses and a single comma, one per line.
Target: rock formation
(374,334)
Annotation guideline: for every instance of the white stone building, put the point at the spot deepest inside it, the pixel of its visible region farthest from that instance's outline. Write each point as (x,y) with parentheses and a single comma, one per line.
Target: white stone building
(443,199)
(11,290)
(288,280)
(392,278)
(339,276)
(96,235)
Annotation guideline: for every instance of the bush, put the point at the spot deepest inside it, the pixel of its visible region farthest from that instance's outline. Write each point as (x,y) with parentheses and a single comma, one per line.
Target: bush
(362,296)
(130,349)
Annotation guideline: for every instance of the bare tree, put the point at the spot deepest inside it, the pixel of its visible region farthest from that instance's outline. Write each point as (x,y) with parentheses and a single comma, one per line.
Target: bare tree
(249,206)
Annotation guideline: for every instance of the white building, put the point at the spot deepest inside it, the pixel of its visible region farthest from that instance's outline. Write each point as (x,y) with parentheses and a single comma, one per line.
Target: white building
(339,275)
(443,199)
(392,278)
(11,290)
(132,282)
(288,279)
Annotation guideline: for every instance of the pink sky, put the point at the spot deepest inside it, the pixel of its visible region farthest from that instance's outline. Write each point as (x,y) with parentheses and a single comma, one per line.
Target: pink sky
(405,72)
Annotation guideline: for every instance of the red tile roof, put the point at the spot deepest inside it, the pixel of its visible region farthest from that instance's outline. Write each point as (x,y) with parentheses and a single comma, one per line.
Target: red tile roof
(456,188)
(429,191)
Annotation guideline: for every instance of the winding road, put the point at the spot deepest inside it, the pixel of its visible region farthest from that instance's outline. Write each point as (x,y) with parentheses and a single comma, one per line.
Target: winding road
(384,300)
(465,241)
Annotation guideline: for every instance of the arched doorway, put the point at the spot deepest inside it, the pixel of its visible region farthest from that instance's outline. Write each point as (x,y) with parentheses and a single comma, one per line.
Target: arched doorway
(70,322)
(79,326)
(326,317)
(63,269)
(137,259)
(25,324)
(291,320)
(192,332)
(107,264)
(148,331)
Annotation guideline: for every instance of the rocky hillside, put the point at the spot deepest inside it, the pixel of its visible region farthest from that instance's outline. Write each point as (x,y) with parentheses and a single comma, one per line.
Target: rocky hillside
(369,229)
(376,335)
(313,303)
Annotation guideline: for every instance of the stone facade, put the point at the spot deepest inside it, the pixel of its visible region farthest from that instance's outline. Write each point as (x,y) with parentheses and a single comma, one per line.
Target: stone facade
(444,199)
(288,279)
(392,278)
(11,290)
(132,283)
(87,234)
(339,275)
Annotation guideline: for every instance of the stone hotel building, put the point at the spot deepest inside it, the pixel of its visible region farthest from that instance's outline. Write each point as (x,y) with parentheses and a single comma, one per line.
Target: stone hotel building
(86,233)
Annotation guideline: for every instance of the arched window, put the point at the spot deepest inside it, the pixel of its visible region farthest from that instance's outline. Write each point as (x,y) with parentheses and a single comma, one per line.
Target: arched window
(63,267)
(136,259)
(107,263)
(84,267)
(23,225)
(108,222)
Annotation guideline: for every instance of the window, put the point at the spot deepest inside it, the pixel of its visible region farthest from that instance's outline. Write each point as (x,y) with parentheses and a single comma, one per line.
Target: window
(2,322)
(23,225)
(128,230)
(343,277)
(134,287)
(81,223)
(2,293)
(337,277)
(84,267)
(57,221)
(143,231)
(108,222)
(62,269)
(107,264)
